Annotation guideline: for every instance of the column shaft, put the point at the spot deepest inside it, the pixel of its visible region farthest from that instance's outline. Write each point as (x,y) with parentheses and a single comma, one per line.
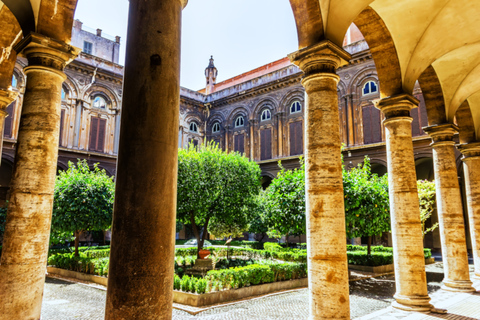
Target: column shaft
(140,282)
(471,166)
(326,245)
(410,278)
(449,209)
(27,230)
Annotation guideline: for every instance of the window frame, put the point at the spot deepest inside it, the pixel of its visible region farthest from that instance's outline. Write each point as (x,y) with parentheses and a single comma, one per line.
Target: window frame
(293,105)
(370,91)
(98,96)
(267,112)
(242,120)
(87,47)
(195,125)
(216,125)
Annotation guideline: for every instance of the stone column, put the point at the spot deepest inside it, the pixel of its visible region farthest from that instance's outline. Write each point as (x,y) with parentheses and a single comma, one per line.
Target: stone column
(140,280)
(326,245)
(7,97)
(227,144)
(449,209)
(471,166)
(27,230)
(410,278)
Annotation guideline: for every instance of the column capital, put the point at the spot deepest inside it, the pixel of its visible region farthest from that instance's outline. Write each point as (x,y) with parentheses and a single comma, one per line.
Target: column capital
(323,57)
(397,106)
(469,150)
(6,98)
(442,134)
(46,53)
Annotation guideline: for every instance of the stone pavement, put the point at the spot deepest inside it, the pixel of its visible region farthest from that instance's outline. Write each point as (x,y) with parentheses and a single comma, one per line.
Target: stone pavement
(66,300)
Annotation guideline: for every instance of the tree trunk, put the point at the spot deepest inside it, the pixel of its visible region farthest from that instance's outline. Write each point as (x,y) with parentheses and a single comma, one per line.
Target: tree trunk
(369,245)
(286,239)
(77,240)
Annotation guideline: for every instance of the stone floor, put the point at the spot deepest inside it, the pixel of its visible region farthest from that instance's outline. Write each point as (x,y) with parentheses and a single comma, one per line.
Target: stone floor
(370,299)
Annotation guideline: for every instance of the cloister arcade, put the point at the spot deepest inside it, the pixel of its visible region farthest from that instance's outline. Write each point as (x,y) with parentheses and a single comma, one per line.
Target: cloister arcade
(433,42)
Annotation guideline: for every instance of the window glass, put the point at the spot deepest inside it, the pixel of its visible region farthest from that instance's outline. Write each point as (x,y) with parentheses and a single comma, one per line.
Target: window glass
(370,87)
(239,122)
(99,102)
(266,115)
(87,47)
(14,81)
(296,107)
(216,127)
(64,94)
(193,127)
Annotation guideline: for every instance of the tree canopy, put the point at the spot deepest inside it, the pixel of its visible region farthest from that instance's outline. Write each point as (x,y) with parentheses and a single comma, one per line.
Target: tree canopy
(285,203)
(216,191)
(367,210)
(427,199)
(83,200)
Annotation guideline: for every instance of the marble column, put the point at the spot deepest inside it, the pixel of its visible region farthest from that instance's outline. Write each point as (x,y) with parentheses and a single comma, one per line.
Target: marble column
(140,280)
(410,278)
(7,97)
(471,166)
(27,230)
(326,245)
(450,209)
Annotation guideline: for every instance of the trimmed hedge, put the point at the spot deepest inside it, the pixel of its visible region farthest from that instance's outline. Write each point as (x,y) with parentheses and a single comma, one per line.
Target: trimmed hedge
(72,249)
(84,264)
(374,260)
(239,277)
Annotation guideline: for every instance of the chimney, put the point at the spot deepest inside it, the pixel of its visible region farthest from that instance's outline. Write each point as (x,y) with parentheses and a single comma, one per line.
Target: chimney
(99,32)
(77,24)
(117,39)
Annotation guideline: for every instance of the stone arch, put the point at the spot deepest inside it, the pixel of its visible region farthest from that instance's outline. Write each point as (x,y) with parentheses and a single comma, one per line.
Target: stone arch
(383,50)
(61,166)
(433,95)
(424,167)
(379,166)
(341,89)
(55,19)
(269,103)
(239,111)
(10,35)
(106,92)
(464,120)
(292,96)
(218,117)
(360,78)
(308,19)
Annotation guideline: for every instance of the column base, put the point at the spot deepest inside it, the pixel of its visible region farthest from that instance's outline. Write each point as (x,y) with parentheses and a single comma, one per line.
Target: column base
(413,303)
(458,285)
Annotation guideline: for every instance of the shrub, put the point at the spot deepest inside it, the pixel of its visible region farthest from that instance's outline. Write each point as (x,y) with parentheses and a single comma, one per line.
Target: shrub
(234,278)
(82,263)
(272,246)
(201,286)
(176,282)
(373,260)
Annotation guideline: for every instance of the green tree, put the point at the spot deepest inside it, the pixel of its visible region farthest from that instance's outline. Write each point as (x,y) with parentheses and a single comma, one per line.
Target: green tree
(367,211)
(83,200)
(258,224)
(216,191)
(427,199)
(285,203)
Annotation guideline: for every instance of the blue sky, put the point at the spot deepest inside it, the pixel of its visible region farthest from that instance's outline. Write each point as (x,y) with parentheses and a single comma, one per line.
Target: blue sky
(240,34)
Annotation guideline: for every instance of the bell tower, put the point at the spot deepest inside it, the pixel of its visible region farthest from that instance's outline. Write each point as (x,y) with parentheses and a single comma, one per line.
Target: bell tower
(211,75)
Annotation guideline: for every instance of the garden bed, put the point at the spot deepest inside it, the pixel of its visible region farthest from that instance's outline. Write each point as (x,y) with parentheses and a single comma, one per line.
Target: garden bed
(78,275)
(212,298)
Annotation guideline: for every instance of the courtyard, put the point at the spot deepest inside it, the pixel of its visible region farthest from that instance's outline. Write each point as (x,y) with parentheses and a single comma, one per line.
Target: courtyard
(370,299)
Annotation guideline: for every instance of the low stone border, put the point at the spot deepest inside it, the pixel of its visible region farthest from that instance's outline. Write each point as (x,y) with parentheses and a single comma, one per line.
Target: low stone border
(382,269)
(207,299)
(78,275)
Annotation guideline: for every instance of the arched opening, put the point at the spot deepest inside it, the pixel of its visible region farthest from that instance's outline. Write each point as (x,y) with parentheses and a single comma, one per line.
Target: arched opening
(379,169)
(266,181)
(424,169)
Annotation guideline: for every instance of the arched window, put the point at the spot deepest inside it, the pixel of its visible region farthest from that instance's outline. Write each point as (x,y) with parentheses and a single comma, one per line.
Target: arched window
(369,88)
(266,115)
(64,94)
(14,81)
(99,102)
(216,127)
(239,122)
(193,127)
(296,107)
